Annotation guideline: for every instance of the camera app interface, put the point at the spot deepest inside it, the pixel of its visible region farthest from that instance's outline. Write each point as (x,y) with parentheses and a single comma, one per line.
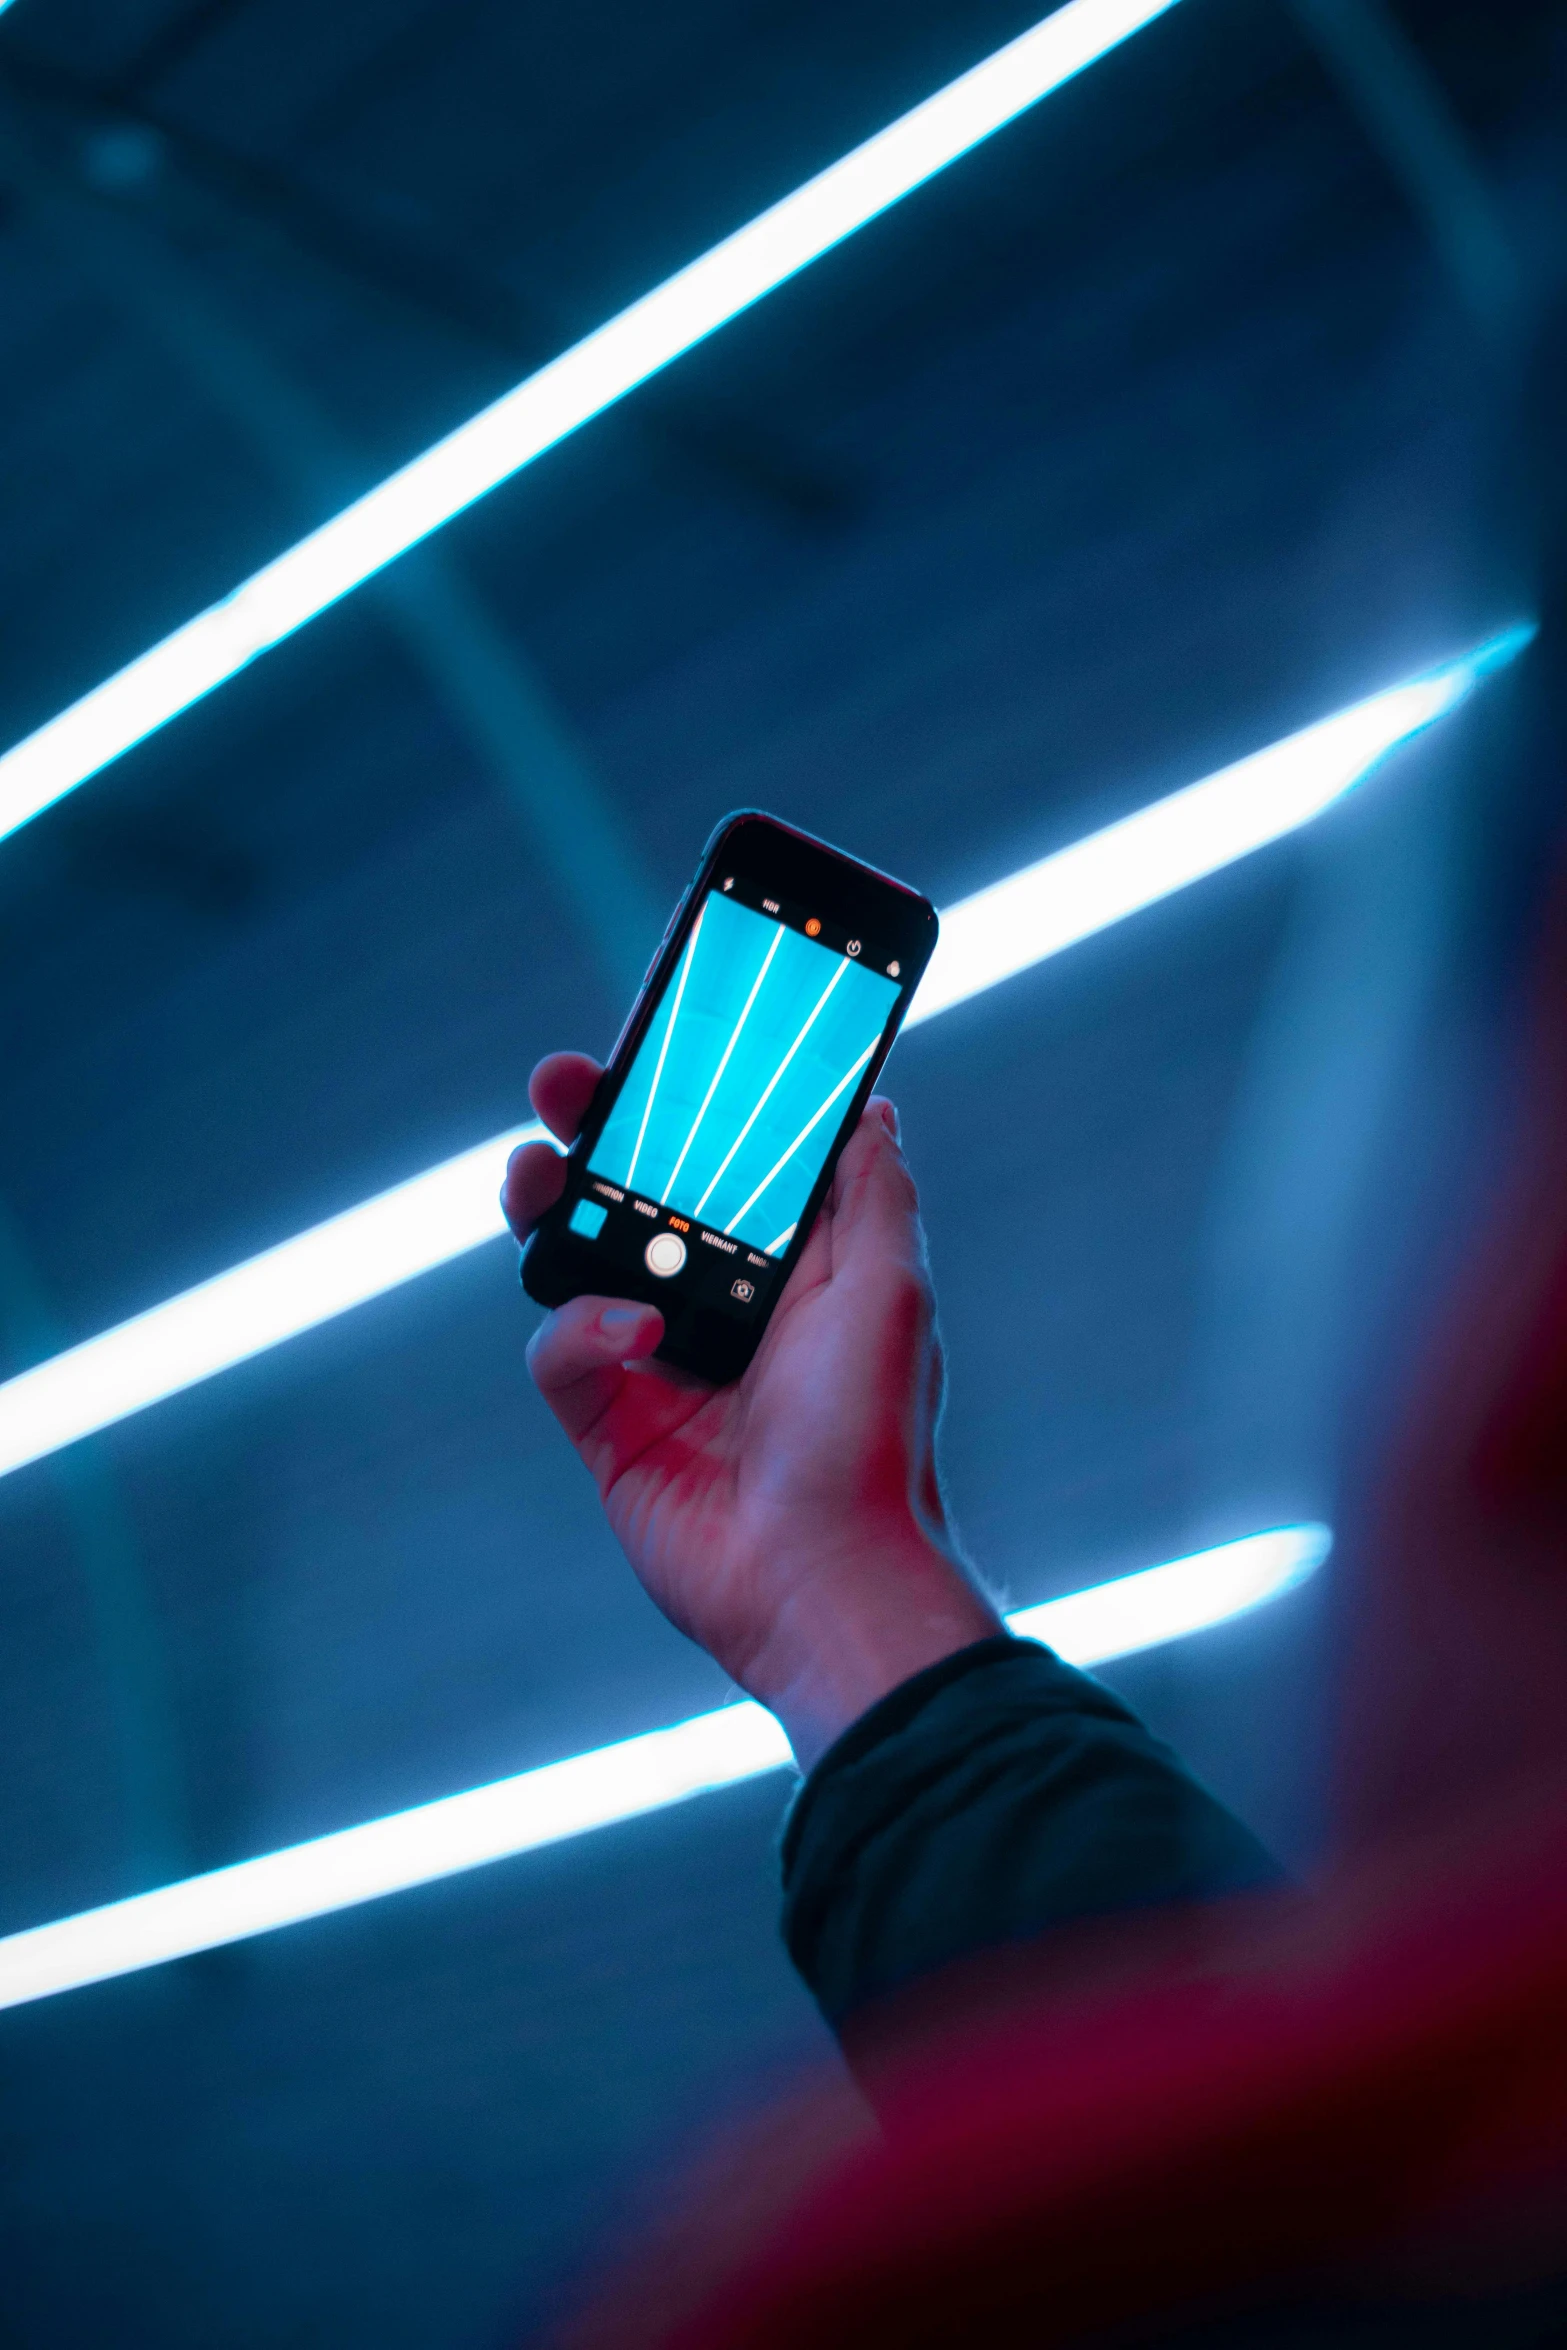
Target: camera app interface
(739,1086)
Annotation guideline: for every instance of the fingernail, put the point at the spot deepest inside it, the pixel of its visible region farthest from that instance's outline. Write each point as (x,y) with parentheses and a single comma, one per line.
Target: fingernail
(617,1321)
(889,1116)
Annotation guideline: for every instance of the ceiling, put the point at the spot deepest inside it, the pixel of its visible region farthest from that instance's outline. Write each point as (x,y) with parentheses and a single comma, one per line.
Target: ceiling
(1161,424)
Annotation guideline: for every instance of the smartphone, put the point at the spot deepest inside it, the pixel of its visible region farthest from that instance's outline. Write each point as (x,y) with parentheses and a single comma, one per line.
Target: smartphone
(759,1031)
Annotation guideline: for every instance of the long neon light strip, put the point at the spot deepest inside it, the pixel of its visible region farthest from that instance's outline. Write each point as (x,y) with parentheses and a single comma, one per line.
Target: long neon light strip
(1190,834)
(594,1790)
(452,1208)
(553,403)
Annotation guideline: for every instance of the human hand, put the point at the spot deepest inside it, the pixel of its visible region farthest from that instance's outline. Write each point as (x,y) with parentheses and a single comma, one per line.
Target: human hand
(792,1523)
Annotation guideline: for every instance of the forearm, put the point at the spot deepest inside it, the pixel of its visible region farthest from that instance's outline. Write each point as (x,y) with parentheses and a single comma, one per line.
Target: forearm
(855,1627)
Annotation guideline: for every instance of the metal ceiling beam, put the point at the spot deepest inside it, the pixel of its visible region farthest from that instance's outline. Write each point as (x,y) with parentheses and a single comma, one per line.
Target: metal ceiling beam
(444,624)
(444,291)
(1363,952)
(126,1632)
(1406,115)
(1341,1017)
(171,43)
(584,382)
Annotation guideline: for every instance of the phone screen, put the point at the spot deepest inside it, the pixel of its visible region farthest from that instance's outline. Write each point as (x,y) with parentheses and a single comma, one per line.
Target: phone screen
(727,1114)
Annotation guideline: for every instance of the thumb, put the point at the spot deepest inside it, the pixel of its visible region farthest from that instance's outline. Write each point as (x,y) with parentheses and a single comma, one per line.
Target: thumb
(578,1357)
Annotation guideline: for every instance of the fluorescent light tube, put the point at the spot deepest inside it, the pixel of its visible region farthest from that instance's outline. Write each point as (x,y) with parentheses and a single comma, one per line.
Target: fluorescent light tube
(1116,872)
(984,939)
(1166,1603)
(593,1790)
(553,403)
(303,1281)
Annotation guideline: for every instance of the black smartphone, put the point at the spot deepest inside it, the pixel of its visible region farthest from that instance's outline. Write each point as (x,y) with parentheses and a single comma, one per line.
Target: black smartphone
(759,1031)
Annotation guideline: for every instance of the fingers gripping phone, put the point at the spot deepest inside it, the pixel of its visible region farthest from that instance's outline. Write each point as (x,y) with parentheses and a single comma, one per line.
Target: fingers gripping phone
(762,1025)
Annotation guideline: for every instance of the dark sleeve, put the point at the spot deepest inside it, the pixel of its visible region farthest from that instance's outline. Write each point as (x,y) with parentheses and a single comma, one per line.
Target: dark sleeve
(994,1796)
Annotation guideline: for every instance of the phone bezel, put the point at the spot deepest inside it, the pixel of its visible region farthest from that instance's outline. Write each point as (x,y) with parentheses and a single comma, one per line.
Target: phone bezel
(557,1263)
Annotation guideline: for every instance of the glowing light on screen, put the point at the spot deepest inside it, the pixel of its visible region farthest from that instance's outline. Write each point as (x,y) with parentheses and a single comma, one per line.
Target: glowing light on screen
(556,401)
(452,1208)
(725,1057)
(805,1133)
(594,1790)
(766,1096)
(754,1026)
(663,1050)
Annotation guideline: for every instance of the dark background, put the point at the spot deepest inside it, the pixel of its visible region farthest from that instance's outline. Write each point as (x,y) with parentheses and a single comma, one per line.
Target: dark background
(1162,424)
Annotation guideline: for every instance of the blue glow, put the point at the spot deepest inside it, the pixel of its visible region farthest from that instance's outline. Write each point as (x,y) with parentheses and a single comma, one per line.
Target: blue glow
(593,1790)
(985,939)
(556,401)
